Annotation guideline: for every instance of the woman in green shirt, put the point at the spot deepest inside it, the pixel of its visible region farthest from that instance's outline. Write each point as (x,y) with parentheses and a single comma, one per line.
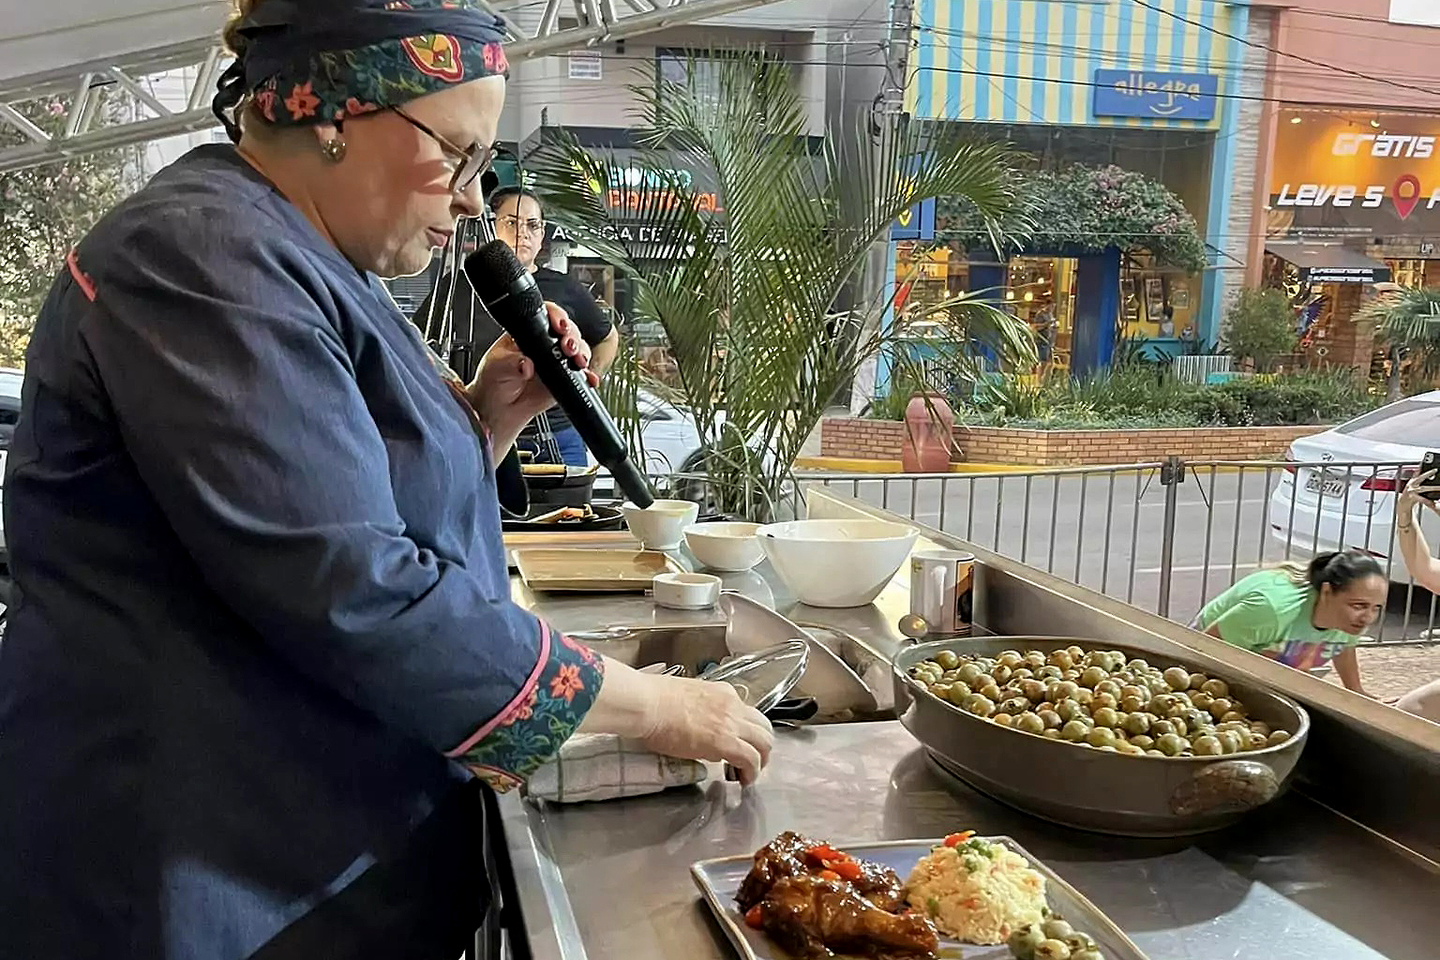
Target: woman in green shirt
(1304,617)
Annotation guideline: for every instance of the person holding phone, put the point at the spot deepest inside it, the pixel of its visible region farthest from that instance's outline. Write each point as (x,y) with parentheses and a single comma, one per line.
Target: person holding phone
(1420,492)
(1303,616)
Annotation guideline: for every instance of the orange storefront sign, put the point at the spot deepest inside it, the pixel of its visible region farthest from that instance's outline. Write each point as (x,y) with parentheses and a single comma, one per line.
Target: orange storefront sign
(657,200)
(1326,160)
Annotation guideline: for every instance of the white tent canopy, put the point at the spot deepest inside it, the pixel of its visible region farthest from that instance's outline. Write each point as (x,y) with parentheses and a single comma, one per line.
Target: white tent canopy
(74,47)
(55,38)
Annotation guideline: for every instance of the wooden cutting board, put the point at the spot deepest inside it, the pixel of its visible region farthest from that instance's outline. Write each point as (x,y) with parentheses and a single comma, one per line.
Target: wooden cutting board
(590,570)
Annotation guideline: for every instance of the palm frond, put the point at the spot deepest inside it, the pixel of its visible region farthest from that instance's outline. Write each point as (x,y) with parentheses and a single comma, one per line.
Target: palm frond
(768,324)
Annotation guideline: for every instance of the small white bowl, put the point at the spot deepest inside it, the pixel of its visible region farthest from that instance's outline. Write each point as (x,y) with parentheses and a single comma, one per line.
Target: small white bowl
(661,525)
(727,547)
(686,591)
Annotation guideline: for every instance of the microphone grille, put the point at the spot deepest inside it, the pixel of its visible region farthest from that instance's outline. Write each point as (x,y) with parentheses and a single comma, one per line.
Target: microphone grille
(492,269)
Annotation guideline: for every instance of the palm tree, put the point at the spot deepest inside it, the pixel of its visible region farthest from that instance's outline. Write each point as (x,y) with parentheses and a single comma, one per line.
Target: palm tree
(1408,319)
(752,314)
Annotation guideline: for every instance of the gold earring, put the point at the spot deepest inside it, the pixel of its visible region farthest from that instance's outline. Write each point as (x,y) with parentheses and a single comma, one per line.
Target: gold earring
(333,149)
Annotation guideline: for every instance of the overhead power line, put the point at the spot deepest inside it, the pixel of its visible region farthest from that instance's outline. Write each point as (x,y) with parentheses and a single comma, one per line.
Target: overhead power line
(1284,53)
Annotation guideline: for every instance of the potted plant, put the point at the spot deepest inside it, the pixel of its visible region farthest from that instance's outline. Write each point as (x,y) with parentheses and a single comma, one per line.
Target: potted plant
(759,303)
(1259,327)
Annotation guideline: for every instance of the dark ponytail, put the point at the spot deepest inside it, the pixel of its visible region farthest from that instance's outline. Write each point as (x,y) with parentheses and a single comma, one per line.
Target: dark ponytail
(1340,569)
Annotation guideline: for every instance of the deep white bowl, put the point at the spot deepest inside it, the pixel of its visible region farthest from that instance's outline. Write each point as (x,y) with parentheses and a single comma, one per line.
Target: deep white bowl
(727,547)
(837,563)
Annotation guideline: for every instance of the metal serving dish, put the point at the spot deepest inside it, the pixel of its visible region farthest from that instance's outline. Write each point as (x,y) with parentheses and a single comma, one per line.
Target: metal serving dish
(1092,789)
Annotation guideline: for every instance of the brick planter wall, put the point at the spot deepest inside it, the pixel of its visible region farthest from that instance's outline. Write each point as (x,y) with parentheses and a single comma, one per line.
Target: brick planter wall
(882,440)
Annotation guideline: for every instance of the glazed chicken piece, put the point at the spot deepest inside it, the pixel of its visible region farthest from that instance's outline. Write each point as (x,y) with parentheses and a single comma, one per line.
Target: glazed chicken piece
(780,858)
(880,885)
(811,917)
(786,856)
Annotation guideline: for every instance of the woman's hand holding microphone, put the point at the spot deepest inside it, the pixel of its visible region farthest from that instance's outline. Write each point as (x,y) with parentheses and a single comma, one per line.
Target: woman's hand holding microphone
(679,717)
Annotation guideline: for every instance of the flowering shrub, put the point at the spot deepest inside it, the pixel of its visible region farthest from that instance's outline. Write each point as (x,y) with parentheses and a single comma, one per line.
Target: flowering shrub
(1090,209)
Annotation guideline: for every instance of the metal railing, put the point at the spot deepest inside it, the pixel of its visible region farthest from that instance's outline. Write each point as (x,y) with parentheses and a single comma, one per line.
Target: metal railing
(1197,369)
(1170,536)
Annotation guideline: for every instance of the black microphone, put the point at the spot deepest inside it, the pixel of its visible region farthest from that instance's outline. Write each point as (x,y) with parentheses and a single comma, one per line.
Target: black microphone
(509,293)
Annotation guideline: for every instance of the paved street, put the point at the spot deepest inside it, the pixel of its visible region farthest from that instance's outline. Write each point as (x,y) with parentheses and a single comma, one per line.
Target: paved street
(1105,531)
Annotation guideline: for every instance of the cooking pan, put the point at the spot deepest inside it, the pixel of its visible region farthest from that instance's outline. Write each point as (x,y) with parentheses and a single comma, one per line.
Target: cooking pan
(564,487)
(605,518)
(1091,789)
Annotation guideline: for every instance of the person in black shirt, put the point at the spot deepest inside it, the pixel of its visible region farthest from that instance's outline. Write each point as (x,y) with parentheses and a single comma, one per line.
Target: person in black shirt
(520,222)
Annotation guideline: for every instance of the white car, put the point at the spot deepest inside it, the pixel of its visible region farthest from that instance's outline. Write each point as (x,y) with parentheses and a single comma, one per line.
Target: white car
(1373,456)
(672,446)
(671,439)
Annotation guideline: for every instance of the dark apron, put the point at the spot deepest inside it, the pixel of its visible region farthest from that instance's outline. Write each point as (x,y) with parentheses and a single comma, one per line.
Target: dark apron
(438,900)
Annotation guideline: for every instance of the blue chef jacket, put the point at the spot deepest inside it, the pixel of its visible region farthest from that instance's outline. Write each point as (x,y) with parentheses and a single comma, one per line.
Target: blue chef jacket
(264,621)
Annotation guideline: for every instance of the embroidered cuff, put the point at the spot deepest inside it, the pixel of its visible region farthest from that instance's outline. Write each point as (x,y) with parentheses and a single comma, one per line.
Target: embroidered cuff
(543,715)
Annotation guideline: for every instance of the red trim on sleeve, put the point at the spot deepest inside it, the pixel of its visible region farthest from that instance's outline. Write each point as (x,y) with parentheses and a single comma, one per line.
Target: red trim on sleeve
(86,285)
(514,705)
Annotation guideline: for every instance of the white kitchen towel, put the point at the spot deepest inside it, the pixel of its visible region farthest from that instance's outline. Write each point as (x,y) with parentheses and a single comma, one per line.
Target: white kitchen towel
(606,767)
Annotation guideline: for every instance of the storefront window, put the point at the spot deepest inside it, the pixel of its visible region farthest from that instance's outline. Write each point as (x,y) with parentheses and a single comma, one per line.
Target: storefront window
(1416,274)
(1156,302)
(673,66)
(926,278)
(1041,292)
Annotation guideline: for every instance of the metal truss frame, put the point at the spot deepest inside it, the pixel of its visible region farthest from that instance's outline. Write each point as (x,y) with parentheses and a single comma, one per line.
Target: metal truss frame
(83,87)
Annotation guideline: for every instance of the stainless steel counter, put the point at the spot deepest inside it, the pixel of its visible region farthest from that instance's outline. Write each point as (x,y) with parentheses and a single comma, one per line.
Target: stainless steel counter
(875,624)
(1295,882)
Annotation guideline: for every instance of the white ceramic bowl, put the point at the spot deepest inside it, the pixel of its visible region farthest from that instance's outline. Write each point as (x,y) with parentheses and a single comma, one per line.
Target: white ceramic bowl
(686,591)
(727,547)
(837,563)
(661,525)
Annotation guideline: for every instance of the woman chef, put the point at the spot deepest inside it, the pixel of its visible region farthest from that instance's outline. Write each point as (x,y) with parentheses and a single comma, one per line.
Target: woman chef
(264,637)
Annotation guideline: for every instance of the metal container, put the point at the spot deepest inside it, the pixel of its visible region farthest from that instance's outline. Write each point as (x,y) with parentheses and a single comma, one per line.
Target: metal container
(1092,789)
(942,584)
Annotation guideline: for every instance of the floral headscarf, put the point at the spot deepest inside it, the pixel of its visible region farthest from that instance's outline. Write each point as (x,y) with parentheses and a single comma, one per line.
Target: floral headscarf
(321,61)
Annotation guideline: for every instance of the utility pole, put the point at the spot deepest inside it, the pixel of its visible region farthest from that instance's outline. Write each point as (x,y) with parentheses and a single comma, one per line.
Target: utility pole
(886,112)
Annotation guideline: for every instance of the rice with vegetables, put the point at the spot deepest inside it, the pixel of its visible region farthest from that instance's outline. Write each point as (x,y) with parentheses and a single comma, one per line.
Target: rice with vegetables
(976,891)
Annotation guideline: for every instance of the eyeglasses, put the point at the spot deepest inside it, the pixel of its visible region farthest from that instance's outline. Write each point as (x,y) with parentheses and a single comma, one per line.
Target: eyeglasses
(474,159)
(513,224)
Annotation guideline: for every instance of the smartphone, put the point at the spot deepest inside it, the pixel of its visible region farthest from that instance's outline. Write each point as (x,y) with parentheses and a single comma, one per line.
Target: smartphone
(1431,464)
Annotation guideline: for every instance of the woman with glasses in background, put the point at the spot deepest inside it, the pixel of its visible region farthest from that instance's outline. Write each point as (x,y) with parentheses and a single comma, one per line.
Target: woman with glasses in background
(519,220)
